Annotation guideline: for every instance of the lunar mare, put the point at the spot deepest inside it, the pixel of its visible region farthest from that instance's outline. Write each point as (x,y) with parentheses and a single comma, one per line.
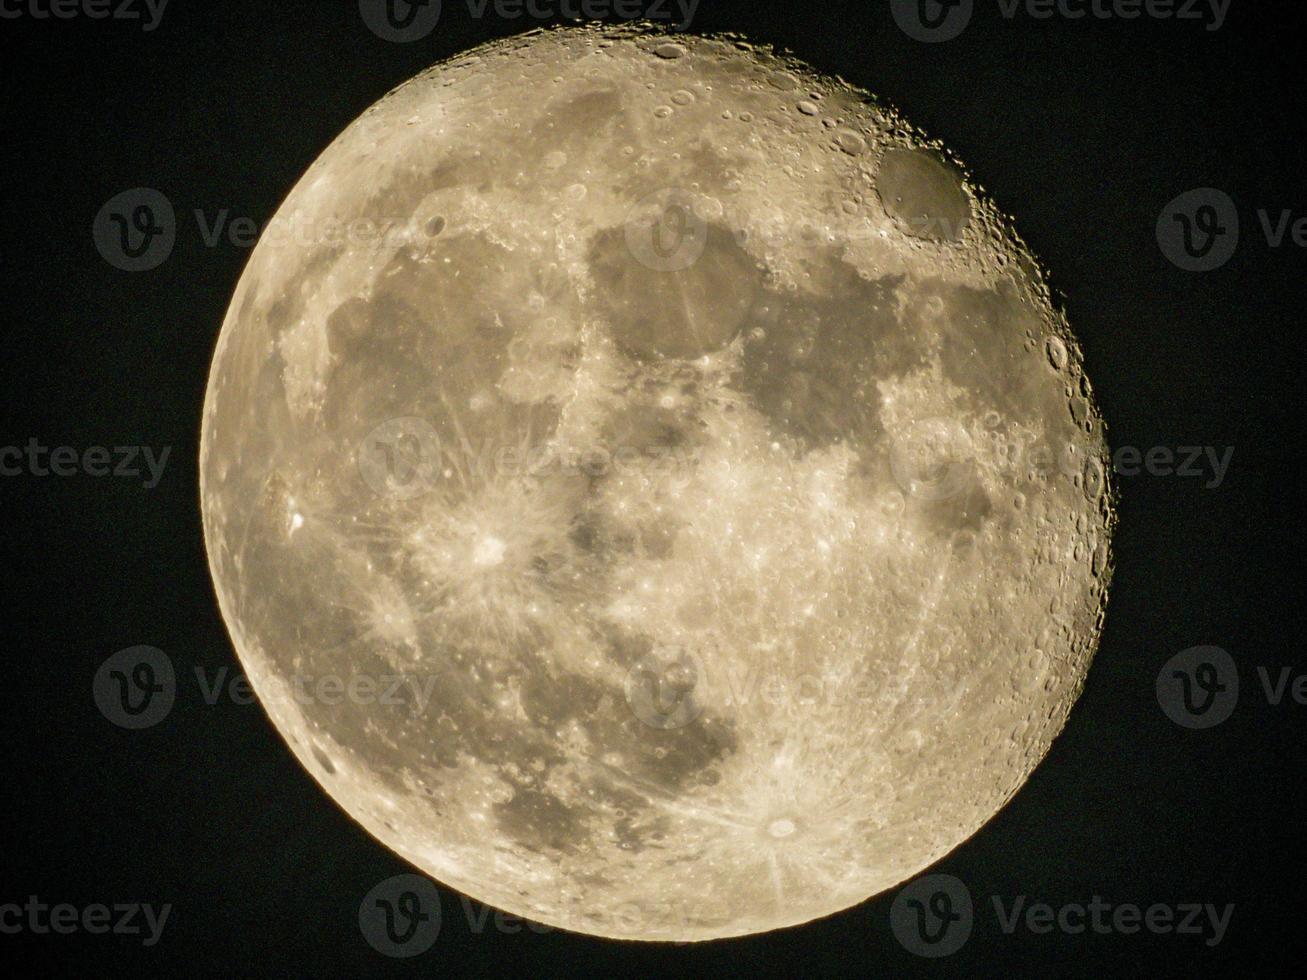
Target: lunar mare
(679,471)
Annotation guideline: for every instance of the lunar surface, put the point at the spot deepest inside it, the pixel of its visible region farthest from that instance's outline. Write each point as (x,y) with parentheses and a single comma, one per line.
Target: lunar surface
(651,488)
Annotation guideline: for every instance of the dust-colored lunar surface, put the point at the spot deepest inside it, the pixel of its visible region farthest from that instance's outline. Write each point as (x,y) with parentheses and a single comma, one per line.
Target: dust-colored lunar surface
(650,489)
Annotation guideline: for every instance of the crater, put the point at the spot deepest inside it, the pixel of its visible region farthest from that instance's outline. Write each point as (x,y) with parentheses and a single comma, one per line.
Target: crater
(324,761)
(781,827)
(923,194)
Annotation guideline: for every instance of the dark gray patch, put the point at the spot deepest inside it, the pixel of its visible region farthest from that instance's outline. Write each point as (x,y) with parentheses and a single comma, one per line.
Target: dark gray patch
(812,371)
(324,760)
(674,314)
(540,822)
(924,194)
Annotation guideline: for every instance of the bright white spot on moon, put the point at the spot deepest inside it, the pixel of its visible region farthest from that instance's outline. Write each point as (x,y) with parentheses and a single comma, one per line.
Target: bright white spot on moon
(781,828)
(691,461)
(489,551)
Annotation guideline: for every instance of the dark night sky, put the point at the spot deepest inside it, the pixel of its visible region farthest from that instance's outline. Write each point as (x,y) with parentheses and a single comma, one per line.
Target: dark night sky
(1081,129)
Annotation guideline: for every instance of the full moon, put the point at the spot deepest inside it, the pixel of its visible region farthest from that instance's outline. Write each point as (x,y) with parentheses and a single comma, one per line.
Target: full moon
(651,488)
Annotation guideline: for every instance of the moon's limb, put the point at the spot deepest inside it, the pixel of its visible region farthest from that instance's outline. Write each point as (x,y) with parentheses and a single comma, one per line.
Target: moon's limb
(683,469)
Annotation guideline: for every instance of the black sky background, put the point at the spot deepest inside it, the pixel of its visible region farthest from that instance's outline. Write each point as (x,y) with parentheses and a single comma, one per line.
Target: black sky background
(1082,130)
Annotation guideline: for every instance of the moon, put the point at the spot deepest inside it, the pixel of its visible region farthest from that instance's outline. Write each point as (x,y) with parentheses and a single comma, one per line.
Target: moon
(650,487)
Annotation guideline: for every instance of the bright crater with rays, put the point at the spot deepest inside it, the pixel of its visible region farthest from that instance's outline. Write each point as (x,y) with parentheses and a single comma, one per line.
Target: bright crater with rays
(691,460)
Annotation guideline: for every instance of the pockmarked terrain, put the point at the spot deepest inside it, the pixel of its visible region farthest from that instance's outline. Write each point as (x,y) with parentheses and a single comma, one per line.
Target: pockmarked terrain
(710,439)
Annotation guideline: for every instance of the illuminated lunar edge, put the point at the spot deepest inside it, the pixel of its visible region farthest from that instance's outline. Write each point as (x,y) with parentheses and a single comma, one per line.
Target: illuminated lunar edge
(836,578)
